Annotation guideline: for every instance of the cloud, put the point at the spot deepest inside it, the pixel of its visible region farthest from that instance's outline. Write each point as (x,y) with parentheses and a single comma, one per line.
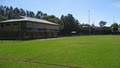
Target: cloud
(117,4)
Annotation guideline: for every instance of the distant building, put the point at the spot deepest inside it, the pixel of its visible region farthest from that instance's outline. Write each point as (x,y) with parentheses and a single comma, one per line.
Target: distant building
(102,30)
(27,28)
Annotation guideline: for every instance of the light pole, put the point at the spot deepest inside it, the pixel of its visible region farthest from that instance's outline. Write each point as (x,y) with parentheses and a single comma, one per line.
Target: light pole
(89,20)
(94,27)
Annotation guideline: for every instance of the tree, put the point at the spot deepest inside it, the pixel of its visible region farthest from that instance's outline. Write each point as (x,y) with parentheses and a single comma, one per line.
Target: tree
(54,19)
(11,14)
(22,12)
(27,13)
(45,14)
(16,12)
(2,18)
(115,27)
(39,15)
(102,23)
(119,25)
(31,14)
(70,24)
(2,11)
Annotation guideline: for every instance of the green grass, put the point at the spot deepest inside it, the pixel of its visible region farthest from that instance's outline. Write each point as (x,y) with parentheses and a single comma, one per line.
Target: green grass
(82,51)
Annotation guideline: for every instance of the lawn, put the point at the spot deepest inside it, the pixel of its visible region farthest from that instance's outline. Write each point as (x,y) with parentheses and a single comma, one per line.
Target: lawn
(67,52)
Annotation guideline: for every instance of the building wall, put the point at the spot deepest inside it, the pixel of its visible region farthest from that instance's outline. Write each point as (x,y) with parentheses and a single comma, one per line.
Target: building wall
(9,27)
(34,26)
(27,30)
(40,30)
(12,29)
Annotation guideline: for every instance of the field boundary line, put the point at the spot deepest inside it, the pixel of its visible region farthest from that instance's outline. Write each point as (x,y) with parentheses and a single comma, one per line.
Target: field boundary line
(50,64)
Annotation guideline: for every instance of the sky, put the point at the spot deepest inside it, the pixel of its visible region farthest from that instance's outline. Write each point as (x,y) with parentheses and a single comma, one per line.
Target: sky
(100,10)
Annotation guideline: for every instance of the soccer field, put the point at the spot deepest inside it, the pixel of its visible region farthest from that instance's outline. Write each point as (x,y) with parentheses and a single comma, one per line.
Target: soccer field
(67,52)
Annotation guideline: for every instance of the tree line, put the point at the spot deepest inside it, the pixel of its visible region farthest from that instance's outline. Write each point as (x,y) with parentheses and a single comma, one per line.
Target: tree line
(68,24)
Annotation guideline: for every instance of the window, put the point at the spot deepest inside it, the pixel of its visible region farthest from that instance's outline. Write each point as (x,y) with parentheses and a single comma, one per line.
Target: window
(7,24)
(15,24)
(41,34)
(2,26)
(54,30)
(29,28)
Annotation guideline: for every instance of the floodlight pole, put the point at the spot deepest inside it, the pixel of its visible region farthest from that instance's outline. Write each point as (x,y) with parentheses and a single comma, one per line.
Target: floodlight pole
(94,28)
(89,20)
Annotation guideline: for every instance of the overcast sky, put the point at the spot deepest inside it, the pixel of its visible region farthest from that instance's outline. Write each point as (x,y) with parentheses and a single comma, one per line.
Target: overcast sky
(100,9)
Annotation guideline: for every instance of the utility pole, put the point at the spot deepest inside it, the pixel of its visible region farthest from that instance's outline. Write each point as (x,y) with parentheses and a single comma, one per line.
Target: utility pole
(89,20)
(94,27)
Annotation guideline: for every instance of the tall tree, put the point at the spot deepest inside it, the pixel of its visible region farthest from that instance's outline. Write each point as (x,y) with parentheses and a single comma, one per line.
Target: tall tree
(16,12)
(11,14)
(115,27)
(2,18)
(70,24)
(54,19)
(39,15)
(22,12)
(31,14)
(102,23)
(1,10)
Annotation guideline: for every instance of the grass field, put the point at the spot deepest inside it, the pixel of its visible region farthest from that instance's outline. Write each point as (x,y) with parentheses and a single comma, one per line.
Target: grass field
(68,52)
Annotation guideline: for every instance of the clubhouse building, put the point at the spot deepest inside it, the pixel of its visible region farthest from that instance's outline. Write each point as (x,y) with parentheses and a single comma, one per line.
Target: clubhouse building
(28,28)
